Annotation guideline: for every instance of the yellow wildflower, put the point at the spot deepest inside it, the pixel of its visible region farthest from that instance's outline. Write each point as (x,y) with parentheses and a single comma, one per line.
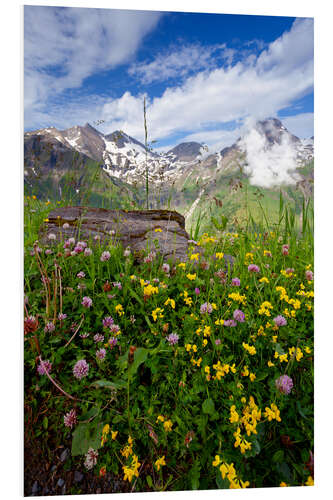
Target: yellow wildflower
(167,425)
(191,277)
(159,462)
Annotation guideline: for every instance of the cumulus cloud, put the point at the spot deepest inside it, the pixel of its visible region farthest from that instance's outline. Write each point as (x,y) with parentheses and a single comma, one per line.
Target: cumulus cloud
(258,87)
(63,46)
(268,165)
(179,62)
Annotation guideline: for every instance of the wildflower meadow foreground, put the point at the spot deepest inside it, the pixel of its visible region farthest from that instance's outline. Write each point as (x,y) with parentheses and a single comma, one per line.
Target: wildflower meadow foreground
(172,375)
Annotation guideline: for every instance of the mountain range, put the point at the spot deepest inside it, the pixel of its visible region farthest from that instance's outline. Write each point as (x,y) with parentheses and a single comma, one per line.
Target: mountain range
(266,155)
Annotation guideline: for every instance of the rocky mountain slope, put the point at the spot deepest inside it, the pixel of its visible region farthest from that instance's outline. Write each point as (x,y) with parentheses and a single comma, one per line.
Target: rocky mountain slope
(267,155)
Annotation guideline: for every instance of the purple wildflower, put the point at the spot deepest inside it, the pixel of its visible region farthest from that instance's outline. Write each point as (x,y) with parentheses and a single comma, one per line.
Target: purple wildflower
(113,341)
(81,274)
(173,338)
(253,268)
(235,282)
(48,251)
(81,369)
(86,302)
(105,256)
(117,284)
(197,290)
(70,418)
(217,341)
(84,335)
(193,242)
(78,249)
(280,321)
(166,268)
(100,354)
(206,308)
(45,365)
(49,327)
(91,458)
(239,315)
(98,337)
(114,328)
(108,321)
(309,275)
(87,252)
(284,384)
(81,286)
(62,316)
(285,249)
(229,322)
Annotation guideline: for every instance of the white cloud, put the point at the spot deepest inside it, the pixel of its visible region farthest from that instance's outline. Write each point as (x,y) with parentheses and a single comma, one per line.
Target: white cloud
(258,87)
(268,165)
(300,125)
(76,42)
(178,62)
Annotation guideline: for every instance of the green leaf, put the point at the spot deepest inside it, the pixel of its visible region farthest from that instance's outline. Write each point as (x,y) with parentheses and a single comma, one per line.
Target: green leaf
(45,423)
(278,456)
(208,406)
(86,436)
(222,484)
(120,384)
(140,356)
(149,481)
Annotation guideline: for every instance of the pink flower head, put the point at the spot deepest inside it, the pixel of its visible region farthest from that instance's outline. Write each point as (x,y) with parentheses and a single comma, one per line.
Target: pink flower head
(206,308)
(239,315)
(114,328)
(78,249)
(66,225)
(100,354)
(235,282)
(127,252)
(81,369)
(217,341)
(48,251)
(98,337)
(70,418)
(253,268)
(108,321)
(105,256)
(166,268)
(284,384)
(91,459)
(280,320)
(285,249)
(117,284)
(44,367)
(309,275)
(197,290)
(49,327)
(86,302)
(81,274)
(87,252)
(229,322)
(62,316)
(173,338)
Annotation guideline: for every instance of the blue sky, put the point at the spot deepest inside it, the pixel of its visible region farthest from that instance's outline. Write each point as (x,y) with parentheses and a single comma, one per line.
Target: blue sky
(205,76)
